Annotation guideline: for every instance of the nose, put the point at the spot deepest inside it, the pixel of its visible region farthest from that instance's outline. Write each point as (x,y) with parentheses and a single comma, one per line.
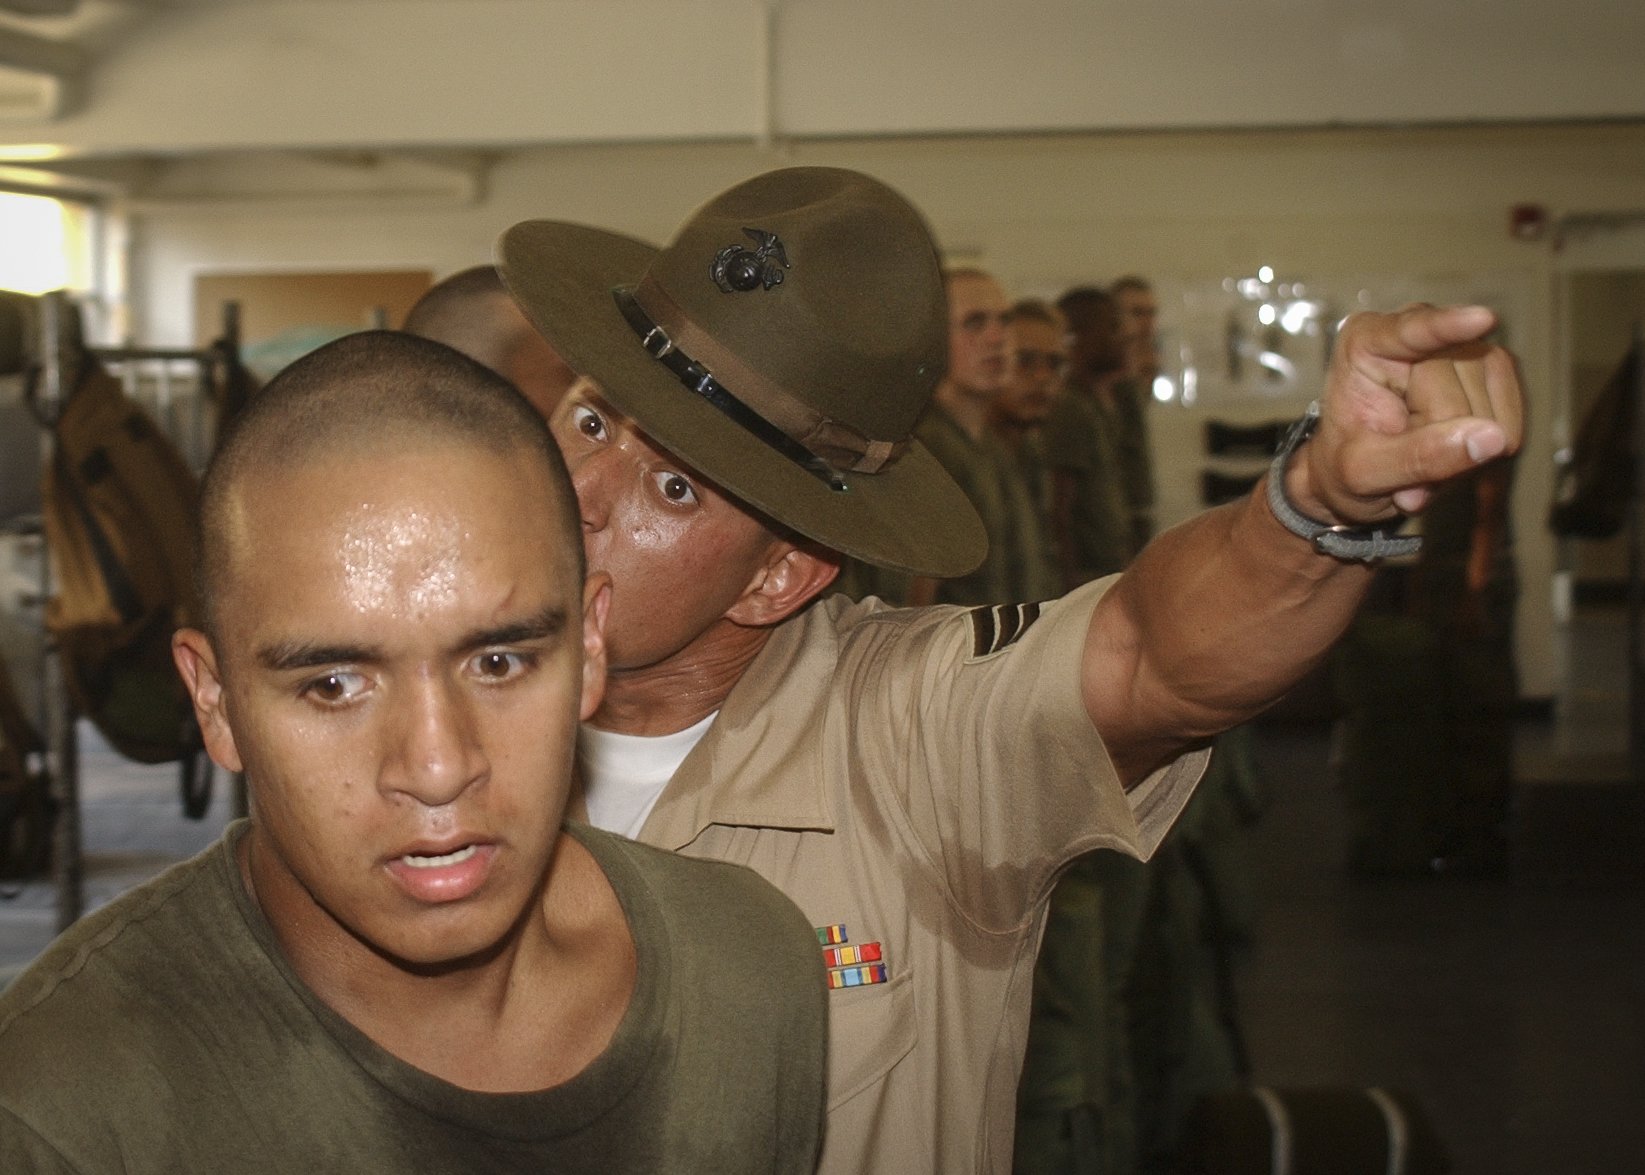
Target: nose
(435,750)
(591,477)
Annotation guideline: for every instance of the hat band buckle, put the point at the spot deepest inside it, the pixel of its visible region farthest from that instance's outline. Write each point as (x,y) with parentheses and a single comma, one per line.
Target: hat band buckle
(700,380)
(840,446)
(824,446)
(656,335)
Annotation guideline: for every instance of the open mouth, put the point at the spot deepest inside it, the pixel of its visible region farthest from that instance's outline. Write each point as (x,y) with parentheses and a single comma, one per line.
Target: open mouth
(444,877)
(456,857)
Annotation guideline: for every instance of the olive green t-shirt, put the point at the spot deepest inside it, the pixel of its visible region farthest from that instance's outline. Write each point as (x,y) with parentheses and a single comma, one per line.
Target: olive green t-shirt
(167,1033)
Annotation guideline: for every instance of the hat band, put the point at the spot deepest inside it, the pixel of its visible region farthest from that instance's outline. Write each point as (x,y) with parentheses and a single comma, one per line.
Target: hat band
(839,444)
(699,379)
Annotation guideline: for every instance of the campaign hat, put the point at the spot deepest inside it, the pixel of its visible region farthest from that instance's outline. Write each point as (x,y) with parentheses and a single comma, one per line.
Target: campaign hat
(783,344)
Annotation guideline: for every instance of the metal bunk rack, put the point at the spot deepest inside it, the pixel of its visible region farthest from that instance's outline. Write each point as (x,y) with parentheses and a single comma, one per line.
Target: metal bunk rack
(151,376)
(58,715)
(1636,572)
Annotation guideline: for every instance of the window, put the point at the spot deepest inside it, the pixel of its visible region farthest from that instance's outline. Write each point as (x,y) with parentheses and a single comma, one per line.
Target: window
(45,244)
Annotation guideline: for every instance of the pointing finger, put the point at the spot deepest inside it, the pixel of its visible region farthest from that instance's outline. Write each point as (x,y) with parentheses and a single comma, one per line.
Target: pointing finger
(1418,331)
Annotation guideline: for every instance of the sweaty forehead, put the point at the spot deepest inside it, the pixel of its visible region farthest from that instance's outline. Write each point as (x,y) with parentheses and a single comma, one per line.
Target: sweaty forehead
(360,503)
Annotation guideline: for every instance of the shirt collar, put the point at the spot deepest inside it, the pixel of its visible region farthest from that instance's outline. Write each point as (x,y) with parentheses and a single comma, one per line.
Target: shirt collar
(756,765)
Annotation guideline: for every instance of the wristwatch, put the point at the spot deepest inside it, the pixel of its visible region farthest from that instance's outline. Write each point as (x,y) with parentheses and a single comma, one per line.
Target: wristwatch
(1364,544)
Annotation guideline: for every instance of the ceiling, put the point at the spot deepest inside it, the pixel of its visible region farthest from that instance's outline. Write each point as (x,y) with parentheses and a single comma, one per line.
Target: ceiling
(99,85)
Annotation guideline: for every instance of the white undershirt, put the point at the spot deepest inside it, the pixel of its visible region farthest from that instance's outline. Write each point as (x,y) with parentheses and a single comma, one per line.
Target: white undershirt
(623,774)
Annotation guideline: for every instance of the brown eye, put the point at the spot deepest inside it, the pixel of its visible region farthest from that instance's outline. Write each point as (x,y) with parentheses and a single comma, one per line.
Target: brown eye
(334,688)
(494,664)
(499,667)
(587,421)
(675,488)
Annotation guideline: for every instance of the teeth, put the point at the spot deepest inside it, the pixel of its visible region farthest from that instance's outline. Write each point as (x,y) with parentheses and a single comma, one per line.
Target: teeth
(460,855)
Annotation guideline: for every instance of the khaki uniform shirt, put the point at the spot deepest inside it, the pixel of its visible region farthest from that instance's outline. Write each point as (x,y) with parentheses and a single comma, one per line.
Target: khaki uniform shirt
(917,778)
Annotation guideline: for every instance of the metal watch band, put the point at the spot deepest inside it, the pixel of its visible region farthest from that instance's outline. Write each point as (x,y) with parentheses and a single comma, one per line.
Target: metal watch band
(1364,544)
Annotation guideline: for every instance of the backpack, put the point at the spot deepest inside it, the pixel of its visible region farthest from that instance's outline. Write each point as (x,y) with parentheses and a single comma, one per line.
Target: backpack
(26,808)
(118,504)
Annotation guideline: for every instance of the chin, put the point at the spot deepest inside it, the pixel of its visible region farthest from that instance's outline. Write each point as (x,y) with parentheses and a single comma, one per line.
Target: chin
(448,953)
(459,937)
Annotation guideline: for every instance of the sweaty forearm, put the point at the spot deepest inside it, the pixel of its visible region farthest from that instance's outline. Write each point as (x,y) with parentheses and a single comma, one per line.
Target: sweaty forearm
(1215,620)
(1220,616)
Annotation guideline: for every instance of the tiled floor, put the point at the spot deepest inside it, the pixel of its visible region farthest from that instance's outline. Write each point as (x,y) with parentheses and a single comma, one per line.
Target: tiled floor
(132,826)
(1514,1010)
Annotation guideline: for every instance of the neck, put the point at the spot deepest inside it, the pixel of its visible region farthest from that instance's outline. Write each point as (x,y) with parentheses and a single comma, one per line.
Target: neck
(969,411)
(683,689)
(528,1013)
(380,995)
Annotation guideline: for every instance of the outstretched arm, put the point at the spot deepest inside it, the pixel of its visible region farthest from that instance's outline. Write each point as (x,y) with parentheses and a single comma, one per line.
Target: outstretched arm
(1219,616)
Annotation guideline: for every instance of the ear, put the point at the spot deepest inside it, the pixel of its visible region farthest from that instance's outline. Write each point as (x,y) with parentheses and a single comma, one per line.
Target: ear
(791,577)
(596,607)
(196,660)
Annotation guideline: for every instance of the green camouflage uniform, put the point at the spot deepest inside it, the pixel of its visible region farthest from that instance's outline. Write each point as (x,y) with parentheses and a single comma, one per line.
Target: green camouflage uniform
(1080,443)
(979,466)
(1075,1105)
(1031,560)
(1130,426)
(1132,1019)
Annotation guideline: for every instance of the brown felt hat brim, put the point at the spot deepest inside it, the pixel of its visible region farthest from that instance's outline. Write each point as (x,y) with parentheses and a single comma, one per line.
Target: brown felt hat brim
(910,517)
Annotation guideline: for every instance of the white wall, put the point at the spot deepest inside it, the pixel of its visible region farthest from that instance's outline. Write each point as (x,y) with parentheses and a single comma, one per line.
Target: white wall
(1429,208)
(201,74)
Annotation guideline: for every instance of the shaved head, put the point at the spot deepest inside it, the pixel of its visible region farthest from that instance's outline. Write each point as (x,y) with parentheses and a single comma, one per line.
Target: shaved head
(447,308)
(360,397)
(473,311)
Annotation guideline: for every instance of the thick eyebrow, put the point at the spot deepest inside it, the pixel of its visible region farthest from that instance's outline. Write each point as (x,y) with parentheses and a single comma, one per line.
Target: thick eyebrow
(285,656)
(548,623)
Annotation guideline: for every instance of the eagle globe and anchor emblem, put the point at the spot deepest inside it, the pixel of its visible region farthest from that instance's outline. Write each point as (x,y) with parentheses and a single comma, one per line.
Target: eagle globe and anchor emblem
(738,269)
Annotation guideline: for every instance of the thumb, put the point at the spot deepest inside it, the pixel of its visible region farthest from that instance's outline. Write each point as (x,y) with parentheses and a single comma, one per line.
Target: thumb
(1376,465)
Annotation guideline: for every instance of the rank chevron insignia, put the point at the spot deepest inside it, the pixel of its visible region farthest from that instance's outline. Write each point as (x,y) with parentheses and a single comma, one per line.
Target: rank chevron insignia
(998,626)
